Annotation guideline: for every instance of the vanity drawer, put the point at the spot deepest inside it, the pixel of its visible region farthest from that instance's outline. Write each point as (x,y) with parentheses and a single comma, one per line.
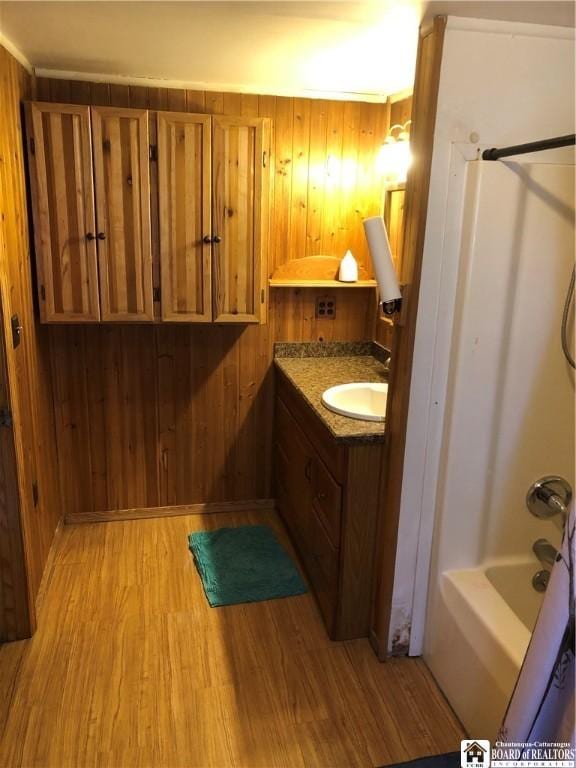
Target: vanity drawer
(293,476)
(321,561)
(290,495)
(327,499)
(332,453)
(304,475)
(309,502)
(319,558)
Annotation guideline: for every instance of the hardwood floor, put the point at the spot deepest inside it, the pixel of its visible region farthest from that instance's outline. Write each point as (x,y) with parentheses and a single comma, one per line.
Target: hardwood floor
(131,667)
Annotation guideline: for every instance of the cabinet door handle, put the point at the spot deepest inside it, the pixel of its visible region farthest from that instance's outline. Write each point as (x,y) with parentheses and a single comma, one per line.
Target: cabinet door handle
(101,236)
(320,496)
(217,239)
(207,239)
(90,236)
(307,469)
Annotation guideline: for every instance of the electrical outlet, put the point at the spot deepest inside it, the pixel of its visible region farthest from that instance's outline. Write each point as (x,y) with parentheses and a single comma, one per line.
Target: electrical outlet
(326,307)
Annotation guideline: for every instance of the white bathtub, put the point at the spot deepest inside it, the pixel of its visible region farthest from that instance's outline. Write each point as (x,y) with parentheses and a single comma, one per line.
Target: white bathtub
(483,624)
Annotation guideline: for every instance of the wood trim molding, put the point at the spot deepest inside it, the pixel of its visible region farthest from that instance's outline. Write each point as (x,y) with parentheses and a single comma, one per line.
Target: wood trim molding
(416,206)
(45,581)
(199,85)
(206,508)
(14,51)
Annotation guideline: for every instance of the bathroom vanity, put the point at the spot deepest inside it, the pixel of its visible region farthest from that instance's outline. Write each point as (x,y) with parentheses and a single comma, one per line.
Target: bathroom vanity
(328,477)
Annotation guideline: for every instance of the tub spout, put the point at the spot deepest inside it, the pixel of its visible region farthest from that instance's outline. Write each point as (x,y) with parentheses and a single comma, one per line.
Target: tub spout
(544,551)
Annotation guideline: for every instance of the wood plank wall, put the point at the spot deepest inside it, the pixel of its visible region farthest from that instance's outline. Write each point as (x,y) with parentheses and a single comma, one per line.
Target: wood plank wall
(426,85)
(28,365)
(400,112)
(155,416)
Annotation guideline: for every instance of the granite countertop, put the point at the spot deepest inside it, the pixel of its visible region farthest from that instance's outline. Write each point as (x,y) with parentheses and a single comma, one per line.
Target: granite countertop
(312,375)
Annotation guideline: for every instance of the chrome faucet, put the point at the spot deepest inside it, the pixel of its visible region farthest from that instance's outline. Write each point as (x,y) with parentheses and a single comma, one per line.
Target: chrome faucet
(545,552)
(548,497)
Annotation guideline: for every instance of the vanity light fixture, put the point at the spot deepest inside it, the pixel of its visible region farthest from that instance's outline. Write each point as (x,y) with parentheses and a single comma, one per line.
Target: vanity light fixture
(381,255)
(394,157)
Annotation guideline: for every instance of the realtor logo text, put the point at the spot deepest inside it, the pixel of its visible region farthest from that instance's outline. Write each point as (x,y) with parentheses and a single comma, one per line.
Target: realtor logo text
(478,754)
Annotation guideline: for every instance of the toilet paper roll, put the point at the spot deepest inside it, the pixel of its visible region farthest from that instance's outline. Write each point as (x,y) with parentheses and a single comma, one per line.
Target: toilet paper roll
(381,255)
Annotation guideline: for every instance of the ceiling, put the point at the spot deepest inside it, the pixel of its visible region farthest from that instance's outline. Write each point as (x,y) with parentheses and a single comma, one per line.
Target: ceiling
(339,49)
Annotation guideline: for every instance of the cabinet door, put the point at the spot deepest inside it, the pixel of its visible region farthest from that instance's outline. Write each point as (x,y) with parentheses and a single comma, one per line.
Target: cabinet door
(294,478)
(240,218)
(60,156)
(293,464)
(184,175)
(122,176)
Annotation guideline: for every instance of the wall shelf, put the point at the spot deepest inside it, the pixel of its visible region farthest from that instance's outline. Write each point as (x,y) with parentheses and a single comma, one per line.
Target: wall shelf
(295,283)
(316,272)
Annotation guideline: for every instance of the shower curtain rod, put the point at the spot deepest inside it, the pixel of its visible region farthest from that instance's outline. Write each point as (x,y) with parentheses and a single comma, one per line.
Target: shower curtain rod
(531,146)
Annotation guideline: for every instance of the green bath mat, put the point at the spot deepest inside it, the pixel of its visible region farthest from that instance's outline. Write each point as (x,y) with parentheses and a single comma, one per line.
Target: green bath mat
(244,565)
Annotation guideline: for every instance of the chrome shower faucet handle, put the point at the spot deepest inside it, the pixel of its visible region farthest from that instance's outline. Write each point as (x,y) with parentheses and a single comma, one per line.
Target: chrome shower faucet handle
(548,497)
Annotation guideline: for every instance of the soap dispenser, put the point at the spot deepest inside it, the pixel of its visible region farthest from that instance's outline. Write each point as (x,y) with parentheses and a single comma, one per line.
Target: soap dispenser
(348,269)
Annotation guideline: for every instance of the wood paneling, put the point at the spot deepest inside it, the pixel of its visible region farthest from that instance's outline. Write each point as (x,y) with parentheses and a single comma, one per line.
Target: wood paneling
(176,415)
(122,183)
(394,200)
(401,111)
(131,667)
(16,607)
(156,416)
(239,217)
(159,416)
(294,314)
(60,161)
(29,380)
(394,220)
(416,205)
(384,333)
(184,189)
(113,516)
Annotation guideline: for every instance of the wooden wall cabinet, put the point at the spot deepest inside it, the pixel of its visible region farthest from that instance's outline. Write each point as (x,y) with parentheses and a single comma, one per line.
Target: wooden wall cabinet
(62,185)
(91,194)
(120,140)
(240,217)
(91,227)
(329,497)
(213,195)
(184,193)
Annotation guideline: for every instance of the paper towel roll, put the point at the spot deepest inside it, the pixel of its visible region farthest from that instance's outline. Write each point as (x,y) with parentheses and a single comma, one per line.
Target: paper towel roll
(381,258)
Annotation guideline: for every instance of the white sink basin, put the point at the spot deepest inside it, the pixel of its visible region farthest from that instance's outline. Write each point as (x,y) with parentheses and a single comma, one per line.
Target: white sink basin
(358,401)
